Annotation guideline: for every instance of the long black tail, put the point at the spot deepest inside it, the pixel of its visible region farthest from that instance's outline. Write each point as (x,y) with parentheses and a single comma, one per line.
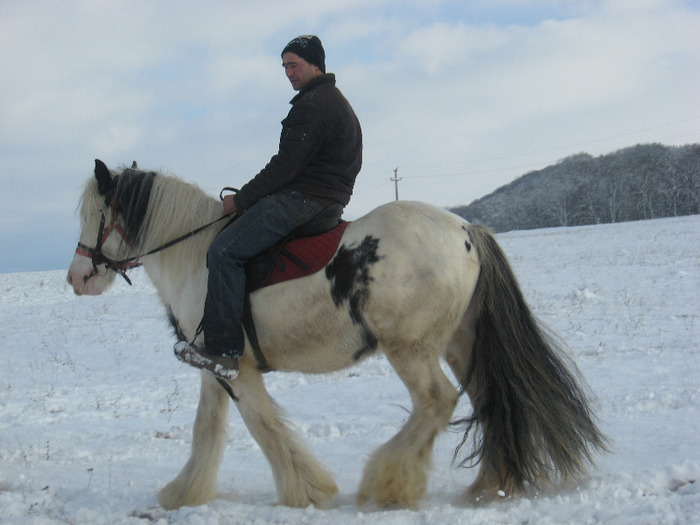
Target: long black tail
(531,416)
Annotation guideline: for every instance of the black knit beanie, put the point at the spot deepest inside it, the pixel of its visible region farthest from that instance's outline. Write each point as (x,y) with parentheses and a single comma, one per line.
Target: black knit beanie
(309,48)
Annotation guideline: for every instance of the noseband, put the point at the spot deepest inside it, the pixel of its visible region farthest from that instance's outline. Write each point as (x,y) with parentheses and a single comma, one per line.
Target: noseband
(97,257)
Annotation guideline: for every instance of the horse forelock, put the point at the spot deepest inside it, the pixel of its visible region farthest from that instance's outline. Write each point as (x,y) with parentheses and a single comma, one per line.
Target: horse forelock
(91,203)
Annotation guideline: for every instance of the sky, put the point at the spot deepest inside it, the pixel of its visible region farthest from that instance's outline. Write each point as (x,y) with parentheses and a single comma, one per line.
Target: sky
(460,97)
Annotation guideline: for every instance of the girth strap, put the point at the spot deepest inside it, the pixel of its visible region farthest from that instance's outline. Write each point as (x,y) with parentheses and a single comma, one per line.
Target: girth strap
(249,327)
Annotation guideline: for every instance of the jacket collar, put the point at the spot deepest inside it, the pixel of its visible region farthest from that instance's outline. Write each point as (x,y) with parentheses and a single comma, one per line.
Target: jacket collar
(326,78)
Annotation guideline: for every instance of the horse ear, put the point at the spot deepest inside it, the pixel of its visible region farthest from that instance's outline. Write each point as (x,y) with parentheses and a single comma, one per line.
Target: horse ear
(104,178)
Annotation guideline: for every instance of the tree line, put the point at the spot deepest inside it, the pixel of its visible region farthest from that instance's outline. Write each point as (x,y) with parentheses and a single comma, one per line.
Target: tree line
(646,181)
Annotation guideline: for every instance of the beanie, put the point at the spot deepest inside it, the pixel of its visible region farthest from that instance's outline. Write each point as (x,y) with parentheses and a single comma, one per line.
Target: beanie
(309,48)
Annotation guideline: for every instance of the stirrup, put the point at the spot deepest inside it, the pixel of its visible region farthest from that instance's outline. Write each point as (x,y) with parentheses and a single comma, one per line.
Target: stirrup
(186,352)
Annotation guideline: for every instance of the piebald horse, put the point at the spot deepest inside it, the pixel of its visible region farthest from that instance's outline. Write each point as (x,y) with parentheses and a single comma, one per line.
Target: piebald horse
(409,280)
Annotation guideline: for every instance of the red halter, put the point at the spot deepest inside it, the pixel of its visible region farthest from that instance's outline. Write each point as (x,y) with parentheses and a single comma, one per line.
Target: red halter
(98,258)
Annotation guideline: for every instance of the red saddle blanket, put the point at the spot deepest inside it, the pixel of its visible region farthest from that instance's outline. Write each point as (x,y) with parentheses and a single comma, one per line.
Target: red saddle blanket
(314,252)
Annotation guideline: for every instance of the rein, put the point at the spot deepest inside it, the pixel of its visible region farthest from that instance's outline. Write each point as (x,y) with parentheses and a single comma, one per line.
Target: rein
(97,257)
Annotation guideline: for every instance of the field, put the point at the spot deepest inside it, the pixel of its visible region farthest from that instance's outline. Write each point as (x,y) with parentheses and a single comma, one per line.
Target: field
(96,414)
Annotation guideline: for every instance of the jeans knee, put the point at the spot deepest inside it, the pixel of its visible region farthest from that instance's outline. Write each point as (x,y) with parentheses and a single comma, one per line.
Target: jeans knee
(222,257)
(214,255)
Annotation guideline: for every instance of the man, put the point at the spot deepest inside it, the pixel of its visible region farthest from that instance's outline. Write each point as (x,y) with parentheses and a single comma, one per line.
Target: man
(320,154)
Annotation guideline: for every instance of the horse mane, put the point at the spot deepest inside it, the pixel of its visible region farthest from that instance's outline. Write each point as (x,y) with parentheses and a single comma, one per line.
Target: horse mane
(131,194)
(156,208)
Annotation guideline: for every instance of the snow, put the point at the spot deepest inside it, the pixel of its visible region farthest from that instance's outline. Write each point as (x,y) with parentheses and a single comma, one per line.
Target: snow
(96,414)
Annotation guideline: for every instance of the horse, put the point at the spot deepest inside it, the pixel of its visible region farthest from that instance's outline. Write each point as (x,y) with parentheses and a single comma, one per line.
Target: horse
(409,280)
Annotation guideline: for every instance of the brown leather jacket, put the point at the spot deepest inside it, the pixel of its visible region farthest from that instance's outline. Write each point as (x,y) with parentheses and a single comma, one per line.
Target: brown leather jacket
(320,151)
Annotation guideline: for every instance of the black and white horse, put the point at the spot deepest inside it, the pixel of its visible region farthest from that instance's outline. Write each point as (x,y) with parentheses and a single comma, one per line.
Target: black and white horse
(412,281)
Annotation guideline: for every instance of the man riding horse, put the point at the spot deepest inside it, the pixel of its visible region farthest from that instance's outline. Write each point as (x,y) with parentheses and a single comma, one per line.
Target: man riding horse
(320,154)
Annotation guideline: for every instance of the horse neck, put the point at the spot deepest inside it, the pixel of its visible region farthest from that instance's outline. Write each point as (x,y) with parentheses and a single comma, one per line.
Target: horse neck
(177,208)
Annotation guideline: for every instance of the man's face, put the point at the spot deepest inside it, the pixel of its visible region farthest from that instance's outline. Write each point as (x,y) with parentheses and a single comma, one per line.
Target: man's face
(298,70)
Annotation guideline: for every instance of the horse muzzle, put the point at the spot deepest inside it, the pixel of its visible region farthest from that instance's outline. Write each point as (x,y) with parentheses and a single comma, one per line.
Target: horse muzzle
(83,278)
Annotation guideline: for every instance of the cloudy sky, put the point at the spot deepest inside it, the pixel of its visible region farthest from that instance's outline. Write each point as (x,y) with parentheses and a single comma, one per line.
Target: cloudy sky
(461,96)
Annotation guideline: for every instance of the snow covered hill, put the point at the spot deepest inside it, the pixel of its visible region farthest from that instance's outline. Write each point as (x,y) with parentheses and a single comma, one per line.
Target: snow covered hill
(96,413)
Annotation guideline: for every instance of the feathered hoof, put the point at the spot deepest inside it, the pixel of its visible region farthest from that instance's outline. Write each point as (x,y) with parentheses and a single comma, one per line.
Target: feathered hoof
(395,487)
(389,500)
(175,495)
(318,492)
(487,490)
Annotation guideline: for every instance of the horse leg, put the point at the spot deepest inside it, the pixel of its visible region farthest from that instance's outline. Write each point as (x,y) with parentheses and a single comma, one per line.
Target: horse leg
(493,478)
(493,475)
(397,472)
(301,480)
(197,481)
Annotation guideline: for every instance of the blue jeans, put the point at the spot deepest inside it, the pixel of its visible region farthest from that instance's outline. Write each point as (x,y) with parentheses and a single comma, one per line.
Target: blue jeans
(261,226)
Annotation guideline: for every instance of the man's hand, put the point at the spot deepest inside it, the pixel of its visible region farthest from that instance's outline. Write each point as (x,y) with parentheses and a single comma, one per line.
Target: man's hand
(229,205)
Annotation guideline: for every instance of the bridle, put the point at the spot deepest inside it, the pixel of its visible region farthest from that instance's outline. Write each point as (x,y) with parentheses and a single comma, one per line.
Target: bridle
(121,266)
(98,258)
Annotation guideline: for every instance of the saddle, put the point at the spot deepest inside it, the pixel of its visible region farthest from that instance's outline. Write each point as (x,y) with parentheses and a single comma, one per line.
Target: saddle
(303,252)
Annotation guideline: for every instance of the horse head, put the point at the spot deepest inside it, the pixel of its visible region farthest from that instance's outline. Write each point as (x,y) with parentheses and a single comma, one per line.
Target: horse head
(103,250)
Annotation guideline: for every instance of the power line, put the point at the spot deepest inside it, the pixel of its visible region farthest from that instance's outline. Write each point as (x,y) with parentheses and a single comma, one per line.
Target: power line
(396,180)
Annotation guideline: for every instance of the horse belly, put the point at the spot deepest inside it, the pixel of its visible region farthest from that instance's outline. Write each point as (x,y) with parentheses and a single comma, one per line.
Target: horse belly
(300,328)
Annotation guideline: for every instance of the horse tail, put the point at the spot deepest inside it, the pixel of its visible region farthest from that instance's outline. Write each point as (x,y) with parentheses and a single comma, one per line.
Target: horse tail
(531,417)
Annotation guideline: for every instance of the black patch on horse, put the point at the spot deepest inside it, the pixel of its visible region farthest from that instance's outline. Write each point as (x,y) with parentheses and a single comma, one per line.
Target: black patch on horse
(467,244)
(348,274)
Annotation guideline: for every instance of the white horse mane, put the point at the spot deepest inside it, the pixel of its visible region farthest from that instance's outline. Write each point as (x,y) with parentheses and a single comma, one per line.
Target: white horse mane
(165,219)
(162,217)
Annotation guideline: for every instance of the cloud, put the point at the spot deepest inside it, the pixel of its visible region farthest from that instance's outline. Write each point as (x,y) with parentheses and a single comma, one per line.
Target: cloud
(461,96)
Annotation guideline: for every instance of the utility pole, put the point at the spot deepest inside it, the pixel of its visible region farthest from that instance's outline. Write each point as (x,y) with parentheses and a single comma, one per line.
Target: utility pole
(396,180)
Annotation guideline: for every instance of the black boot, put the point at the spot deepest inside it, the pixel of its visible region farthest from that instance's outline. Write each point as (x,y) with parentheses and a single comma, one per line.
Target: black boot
(222,366)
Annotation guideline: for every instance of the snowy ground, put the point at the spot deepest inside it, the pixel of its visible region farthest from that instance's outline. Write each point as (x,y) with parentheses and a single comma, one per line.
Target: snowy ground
(96,414)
